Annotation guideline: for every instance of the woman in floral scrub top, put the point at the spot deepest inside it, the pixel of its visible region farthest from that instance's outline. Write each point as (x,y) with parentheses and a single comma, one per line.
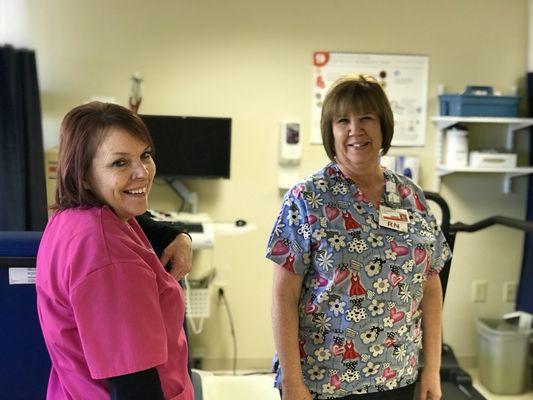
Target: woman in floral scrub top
(350,289)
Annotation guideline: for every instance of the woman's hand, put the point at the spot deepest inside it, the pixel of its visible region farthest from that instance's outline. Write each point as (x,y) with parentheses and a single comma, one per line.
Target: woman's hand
(295,392)
(430,386)
(179,253)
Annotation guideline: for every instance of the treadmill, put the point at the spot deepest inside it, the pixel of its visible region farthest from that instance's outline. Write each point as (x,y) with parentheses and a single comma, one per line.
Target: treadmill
(456,383)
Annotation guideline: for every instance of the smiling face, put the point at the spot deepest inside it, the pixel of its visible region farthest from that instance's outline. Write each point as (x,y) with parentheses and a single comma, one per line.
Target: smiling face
(357,140)
(358,95)
(121,173)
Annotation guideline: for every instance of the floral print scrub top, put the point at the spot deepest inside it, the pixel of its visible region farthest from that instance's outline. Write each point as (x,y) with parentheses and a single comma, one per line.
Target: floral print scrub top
(359,316)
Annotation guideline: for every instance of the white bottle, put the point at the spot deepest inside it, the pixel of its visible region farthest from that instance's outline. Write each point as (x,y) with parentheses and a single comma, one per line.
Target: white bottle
(455,149)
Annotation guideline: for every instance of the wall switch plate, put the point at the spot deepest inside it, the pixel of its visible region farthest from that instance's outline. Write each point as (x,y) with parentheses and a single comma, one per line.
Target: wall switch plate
(479,291)
(509,291)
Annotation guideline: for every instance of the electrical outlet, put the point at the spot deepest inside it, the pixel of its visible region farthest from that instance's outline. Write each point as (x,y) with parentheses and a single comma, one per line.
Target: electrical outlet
(479,291)
(509,291)
(219,286)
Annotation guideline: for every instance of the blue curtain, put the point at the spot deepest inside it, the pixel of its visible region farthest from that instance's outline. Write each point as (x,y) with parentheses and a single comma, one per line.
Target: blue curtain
(524,299)
(22,179)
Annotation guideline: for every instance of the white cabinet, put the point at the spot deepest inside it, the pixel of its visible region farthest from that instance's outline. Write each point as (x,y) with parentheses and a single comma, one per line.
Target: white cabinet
(512,124)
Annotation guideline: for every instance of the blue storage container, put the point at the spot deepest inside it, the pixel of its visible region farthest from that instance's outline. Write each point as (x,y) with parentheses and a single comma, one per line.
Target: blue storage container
(478,101)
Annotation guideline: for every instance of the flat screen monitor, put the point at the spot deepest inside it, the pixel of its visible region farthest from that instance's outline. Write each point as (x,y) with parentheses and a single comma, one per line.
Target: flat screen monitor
(190,147)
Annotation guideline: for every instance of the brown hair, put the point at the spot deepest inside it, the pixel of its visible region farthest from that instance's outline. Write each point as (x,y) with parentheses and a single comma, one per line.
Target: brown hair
(82,131)
(361,94)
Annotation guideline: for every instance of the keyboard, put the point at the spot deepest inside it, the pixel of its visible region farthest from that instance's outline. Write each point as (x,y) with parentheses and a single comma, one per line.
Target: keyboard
(192,227)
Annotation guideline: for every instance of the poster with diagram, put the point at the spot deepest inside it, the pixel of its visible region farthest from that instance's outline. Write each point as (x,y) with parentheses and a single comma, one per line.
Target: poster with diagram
(403,77)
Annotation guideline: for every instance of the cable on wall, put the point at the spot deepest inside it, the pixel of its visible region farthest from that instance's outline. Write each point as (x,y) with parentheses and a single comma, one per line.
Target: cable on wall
(222,295)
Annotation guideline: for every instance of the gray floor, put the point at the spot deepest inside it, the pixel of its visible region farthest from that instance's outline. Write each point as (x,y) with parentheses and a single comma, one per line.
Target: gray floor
(472,371)
(489,395)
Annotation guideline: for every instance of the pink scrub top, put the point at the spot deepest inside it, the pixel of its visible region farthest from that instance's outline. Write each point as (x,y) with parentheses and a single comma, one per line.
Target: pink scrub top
(107,307)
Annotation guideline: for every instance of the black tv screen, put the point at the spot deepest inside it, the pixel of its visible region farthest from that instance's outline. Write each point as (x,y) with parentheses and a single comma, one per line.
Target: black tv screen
(190,147)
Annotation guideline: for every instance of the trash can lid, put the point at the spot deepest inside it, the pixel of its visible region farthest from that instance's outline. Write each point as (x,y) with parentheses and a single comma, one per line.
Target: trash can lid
(500,327)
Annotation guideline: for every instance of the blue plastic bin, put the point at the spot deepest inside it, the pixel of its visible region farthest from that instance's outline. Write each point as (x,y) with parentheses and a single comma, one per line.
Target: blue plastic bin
(472,104)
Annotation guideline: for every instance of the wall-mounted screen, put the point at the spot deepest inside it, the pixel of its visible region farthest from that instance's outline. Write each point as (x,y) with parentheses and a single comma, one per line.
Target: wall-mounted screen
(190,147)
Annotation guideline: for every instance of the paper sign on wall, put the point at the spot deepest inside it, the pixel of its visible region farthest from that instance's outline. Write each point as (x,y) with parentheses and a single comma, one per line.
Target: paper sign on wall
(403,77)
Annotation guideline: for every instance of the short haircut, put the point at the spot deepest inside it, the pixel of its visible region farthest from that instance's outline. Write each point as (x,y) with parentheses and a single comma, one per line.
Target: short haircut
(83,129)
(360,94)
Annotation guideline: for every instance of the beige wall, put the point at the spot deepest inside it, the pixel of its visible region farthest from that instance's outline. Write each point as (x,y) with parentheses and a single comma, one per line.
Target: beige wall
(251,61)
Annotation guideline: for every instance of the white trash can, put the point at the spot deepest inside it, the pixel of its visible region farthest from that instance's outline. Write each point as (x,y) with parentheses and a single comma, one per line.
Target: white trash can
(503,356)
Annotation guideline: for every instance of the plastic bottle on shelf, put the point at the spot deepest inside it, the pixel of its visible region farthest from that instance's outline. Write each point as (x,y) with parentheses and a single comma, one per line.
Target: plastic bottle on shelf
(455,149)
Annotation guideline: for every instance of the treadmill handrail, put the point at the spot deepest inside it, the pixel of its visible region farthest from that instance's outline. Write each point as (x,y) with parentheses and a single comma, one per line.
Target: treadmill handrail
(445,209)
(495,220)
(476,226)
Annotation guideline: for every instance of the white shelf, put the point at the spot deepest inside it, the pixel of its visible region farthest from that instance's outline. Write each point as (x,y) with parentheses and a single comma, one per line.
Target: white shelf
(494,120)
(513,125)
(445,121)
(508,173)
(445,170)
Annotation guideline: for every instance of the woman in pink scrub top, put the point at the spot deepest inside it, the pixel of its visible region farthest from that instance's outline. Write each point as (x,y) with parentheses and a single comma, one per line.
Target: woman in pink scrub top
(111,316)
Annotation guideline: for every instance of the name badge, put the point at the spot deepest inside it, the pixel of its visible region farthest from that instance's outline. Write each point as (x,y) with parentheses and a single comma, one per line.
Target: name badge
(393,218)
(390,186)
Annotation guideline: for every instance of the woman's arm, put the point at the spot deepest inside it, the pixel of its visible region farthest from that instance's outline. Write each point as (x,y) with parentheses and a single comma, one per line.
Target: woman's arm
(431,307)
(285,296)
(142,385)
(170,242)
(160,234)
(179,254)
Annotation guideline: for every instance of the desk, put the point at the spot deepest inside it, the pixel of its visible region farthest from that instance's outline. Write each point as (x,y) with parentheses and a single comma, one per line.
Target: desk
(230,229)
(200,240)
(205,239)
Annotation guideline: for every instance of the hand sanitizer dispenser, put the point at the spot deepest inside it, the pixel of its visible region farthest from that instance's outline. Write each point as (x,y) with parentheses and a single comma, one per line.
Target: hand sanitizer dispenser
(290,150)
(290,153)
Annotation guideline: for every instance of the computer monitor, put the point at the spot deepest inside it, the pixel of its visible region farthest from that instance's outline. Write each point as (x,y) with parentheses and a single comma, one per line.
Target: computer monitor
(190,147)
